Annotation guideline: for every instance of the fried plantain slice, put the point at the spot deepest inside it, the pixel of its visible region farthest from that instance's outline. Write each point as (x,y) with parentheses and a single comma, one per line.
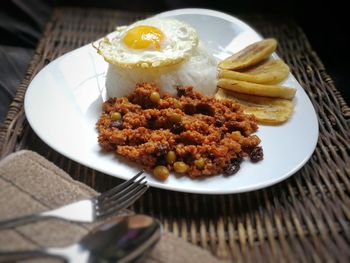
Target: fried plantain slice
(249,88)
(250,55)
(271,111)
(267,72)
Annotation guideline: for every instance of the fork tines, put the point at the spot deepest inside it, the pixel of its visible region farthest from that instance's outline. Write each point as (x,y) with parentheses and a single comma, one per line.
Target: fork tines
(111,192)
(121,196)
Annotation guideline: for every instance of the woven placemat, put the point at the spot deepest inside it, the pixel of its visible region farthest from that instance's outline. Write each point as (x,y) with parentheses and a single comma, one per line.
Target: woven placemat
(305,218)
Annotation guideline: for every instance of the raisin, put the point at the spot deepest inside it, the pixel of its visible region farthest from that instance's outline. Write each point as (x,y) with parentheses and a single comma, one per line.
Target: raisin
(181,91)
(211,156)
(151,122)
(205,108)
(188,157)
(161,149)
(177,128)
(219,122)
(161,160)
(233,167)
(117,124)
(222,135)
(256,154)
(189,109)
(231,127)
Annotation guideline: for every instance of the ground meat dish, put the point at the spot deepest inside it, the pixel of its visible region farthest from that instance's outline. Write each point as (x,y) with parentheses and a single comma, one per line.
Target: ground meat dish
(206,136)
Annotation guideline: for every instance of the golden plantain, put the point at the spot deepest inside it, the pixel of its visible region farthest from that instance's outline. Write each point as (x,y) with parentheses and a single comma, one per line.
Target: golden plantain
(250,55)
(257,89)
(267,72)
(270,111)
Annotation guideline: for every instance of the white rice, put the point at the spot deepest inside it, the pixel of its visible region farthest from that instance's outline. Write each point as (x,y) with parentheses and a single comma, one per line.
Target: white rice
(199,71)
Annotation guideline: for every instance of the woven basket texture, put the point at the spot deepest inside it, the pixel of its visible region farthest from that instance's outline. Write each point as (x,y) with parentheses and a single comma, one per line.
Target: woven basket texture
(305,218)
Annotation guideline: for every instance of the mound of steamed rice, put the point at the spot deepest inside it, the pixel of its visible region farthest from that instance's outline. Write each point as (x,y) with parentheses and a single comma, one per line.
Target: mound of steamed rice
(199,71)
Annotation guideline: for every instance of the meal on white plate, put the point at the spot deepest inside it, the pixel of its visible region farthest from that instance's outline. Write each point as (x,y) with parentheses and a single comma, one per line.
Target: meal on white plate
(162,113)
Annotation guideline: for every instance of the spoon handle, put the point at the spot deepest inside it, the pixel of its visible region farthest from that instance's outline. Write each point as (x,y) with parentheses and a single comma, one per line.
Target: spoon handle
(25,254)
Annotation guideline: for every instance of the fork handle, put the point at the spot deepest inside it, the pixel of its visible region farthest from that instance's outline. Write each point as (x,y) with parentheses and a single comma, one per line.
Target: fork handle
(20,220)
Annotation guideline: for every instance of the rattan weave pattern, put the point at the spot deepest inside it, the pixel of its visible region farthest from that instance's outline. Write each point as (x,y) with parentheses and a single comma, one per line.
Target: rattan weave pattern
(305,218)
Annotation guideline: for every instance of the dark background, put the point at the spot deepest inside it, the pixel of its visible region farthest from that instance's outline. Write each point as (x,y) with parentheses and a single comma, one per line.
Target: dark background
(22,22)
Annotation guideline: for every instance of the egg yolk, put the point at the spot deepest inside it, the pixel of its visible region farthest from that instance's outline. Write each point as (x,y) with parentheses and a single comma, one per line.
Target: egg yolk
(142,37)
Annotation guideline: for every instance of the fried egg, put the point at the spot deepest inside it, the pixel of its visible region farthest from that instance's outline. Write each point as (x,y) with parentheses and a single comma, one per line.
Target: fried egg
(149,43)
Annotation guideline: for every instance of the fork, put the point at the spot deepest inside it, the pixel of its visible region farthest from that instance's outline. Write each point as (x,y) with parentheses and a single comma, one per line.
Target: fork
(91,209)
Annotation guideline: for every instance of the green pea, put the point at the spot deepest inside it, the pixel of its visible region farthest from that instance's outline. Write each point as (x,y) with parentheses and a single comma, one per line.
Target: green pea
(199,163)
(154,97)
(161,172)
(180,167)
(174,117)
(171,157)
(116,116)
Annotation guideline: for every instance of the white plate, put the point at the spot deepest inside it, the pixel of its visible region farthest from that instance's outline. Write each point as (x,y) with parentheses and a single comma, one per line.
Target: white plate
(63,103)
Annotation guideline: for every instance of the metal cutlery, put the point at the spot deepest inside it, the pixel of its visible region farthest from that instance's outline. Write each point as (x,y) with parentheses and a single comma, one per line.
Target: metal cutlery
(119,240)
(92,209)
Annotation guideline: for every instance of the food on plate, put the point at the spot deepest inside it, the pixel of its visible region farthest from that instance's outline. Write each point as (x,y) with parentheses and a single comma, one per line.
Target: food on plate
(266,90)
(250,55)
(266,110)
(252,79)
(191,134)
(163,51)
(150,43)
(266,72)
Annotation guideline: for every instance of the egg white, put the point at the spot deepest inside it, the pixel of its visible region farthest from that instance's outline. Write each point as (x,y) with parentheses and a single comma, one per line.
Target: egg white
(180,40)
(198,71)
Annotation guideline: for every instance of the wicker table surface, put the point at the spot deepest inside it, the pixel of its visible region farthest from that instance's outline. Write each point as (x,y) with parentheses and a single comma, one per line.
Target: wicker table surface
(305,218)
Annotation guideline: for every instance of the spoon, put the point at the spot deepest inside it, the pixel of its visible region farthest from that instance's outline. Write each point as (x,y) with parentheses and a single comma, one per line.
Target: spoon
(123,240)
